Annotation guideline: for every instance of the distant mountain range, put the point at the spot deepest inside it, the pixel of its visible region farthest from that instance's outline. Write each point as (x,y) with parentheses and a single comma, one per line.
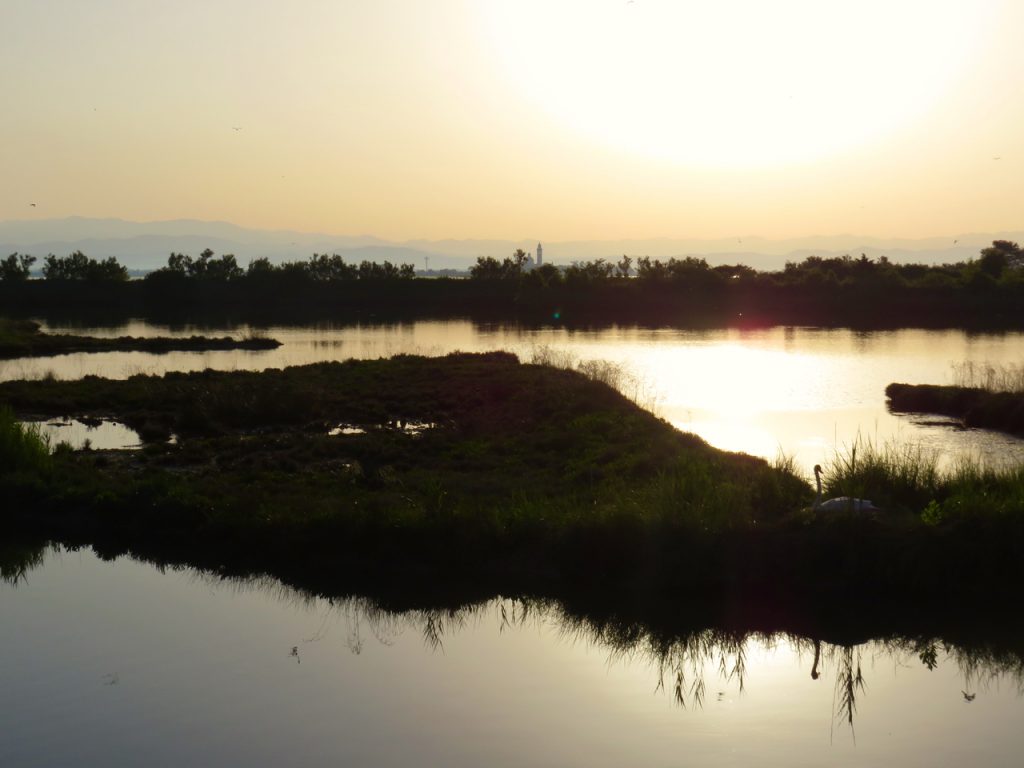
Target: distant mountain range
(146,245)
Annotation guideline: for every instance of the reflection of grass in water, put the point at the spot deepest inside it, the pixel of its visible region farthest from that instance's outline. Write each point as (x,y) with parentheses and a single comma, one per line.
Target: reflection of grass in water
(685,662)
(983,667)
(682,661)
(16,560)
(849,684)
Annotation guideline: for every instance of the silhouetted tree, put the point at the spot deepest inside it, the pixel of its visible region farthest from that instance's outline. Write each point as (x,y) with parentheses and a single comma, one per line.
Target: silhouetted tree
(260,267)
(624,267)
(581,273)
(323,267)
(179,263)
(1002,254)
(224,268)
(486,268)
(519,259)
(16,266)
(489,268)
(78,266)
(650,271)
(206,267)
(544,276)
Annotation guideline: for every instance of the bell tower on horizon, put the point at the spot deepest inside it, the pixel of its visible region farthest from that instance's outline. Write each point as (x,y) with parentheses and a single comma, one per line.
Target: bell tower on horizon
(540,254)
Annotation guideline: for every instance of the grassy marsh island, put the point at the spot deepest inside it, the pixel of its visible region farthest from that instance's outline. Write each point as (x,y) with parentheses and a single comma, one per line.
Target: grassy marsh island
(974,407)
(24,338)
(982,396)
(496,475)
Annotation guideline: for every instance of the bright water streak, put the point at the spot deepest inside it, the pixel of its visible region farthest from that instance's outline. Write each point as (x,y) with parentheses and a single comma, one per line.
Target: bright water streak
(806,392)
(119,664)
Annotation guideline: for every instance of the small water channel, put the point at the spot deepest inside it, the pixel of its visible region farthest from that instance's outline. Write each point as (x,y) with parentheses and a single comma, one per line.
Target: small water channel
(119,663)
(95,434)
(809,393)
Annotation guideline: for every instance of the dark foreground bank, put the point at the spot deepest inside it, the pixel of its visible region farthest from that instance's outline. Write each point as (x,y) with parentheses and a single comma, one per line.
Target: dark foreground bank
(483,475)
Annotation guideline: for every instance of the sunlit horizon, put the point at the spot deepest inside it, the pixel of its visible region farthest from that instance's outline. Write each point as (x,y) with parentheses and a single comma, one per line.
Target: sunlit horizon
(488,120)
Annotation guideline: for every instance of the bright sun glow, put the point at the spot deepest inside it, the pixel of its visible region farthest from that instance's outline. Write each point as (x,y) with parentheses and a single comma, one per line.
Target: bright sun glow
(734,83)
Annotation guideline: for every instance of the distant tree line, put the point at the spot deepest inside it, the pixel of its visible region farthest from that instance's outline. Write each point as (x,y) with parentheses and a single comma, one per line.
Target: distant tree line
(1003,262)
(77,266)
(207,267)
(987,291)
(318,268)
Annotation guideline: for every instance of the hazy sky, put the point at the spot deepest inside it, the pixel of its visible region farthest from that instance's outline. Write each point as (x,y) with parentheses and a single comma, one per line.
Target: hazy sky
(550,120)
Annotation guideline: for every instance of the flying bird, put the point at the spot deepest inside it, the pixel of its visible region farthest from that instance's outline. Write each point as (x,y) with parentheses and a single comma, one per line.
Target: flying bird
(33,205)
(236,128)
(968,696)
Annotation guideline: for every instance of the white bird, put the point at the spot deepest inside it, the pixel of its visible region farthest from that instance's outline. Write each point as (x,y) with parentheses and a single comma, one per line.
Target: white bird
(841,503)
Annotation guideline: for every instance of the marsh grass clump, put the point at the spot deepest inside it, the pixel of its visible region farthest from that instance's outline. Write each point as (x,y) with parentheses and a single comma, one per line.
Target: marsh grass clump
(975,491)
(713,494)
(891,475)
(908,479)
(612,374)
(22,447)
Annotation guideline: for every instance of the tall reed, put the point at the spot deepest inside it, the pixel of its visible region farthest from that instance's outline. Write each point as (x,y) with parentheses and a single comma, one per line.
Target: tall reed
(1005,377)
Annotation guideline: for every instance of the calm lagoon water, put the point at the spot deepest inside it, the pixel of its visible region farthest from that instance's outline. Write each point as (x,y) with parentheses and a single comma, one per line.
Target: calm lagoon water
(806,392)
(122,664)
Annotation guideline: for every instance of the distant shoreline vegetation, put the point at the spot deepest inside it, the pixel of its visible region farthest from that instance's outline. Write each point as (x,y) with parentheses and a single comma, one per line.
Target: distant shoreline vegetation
(845,291)
(24,338)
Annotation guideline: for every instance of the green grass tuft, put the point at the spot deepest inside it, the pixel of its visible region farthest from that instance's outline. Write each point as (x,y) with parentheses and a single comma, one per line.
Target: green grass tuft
(908,479)
(22,448)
